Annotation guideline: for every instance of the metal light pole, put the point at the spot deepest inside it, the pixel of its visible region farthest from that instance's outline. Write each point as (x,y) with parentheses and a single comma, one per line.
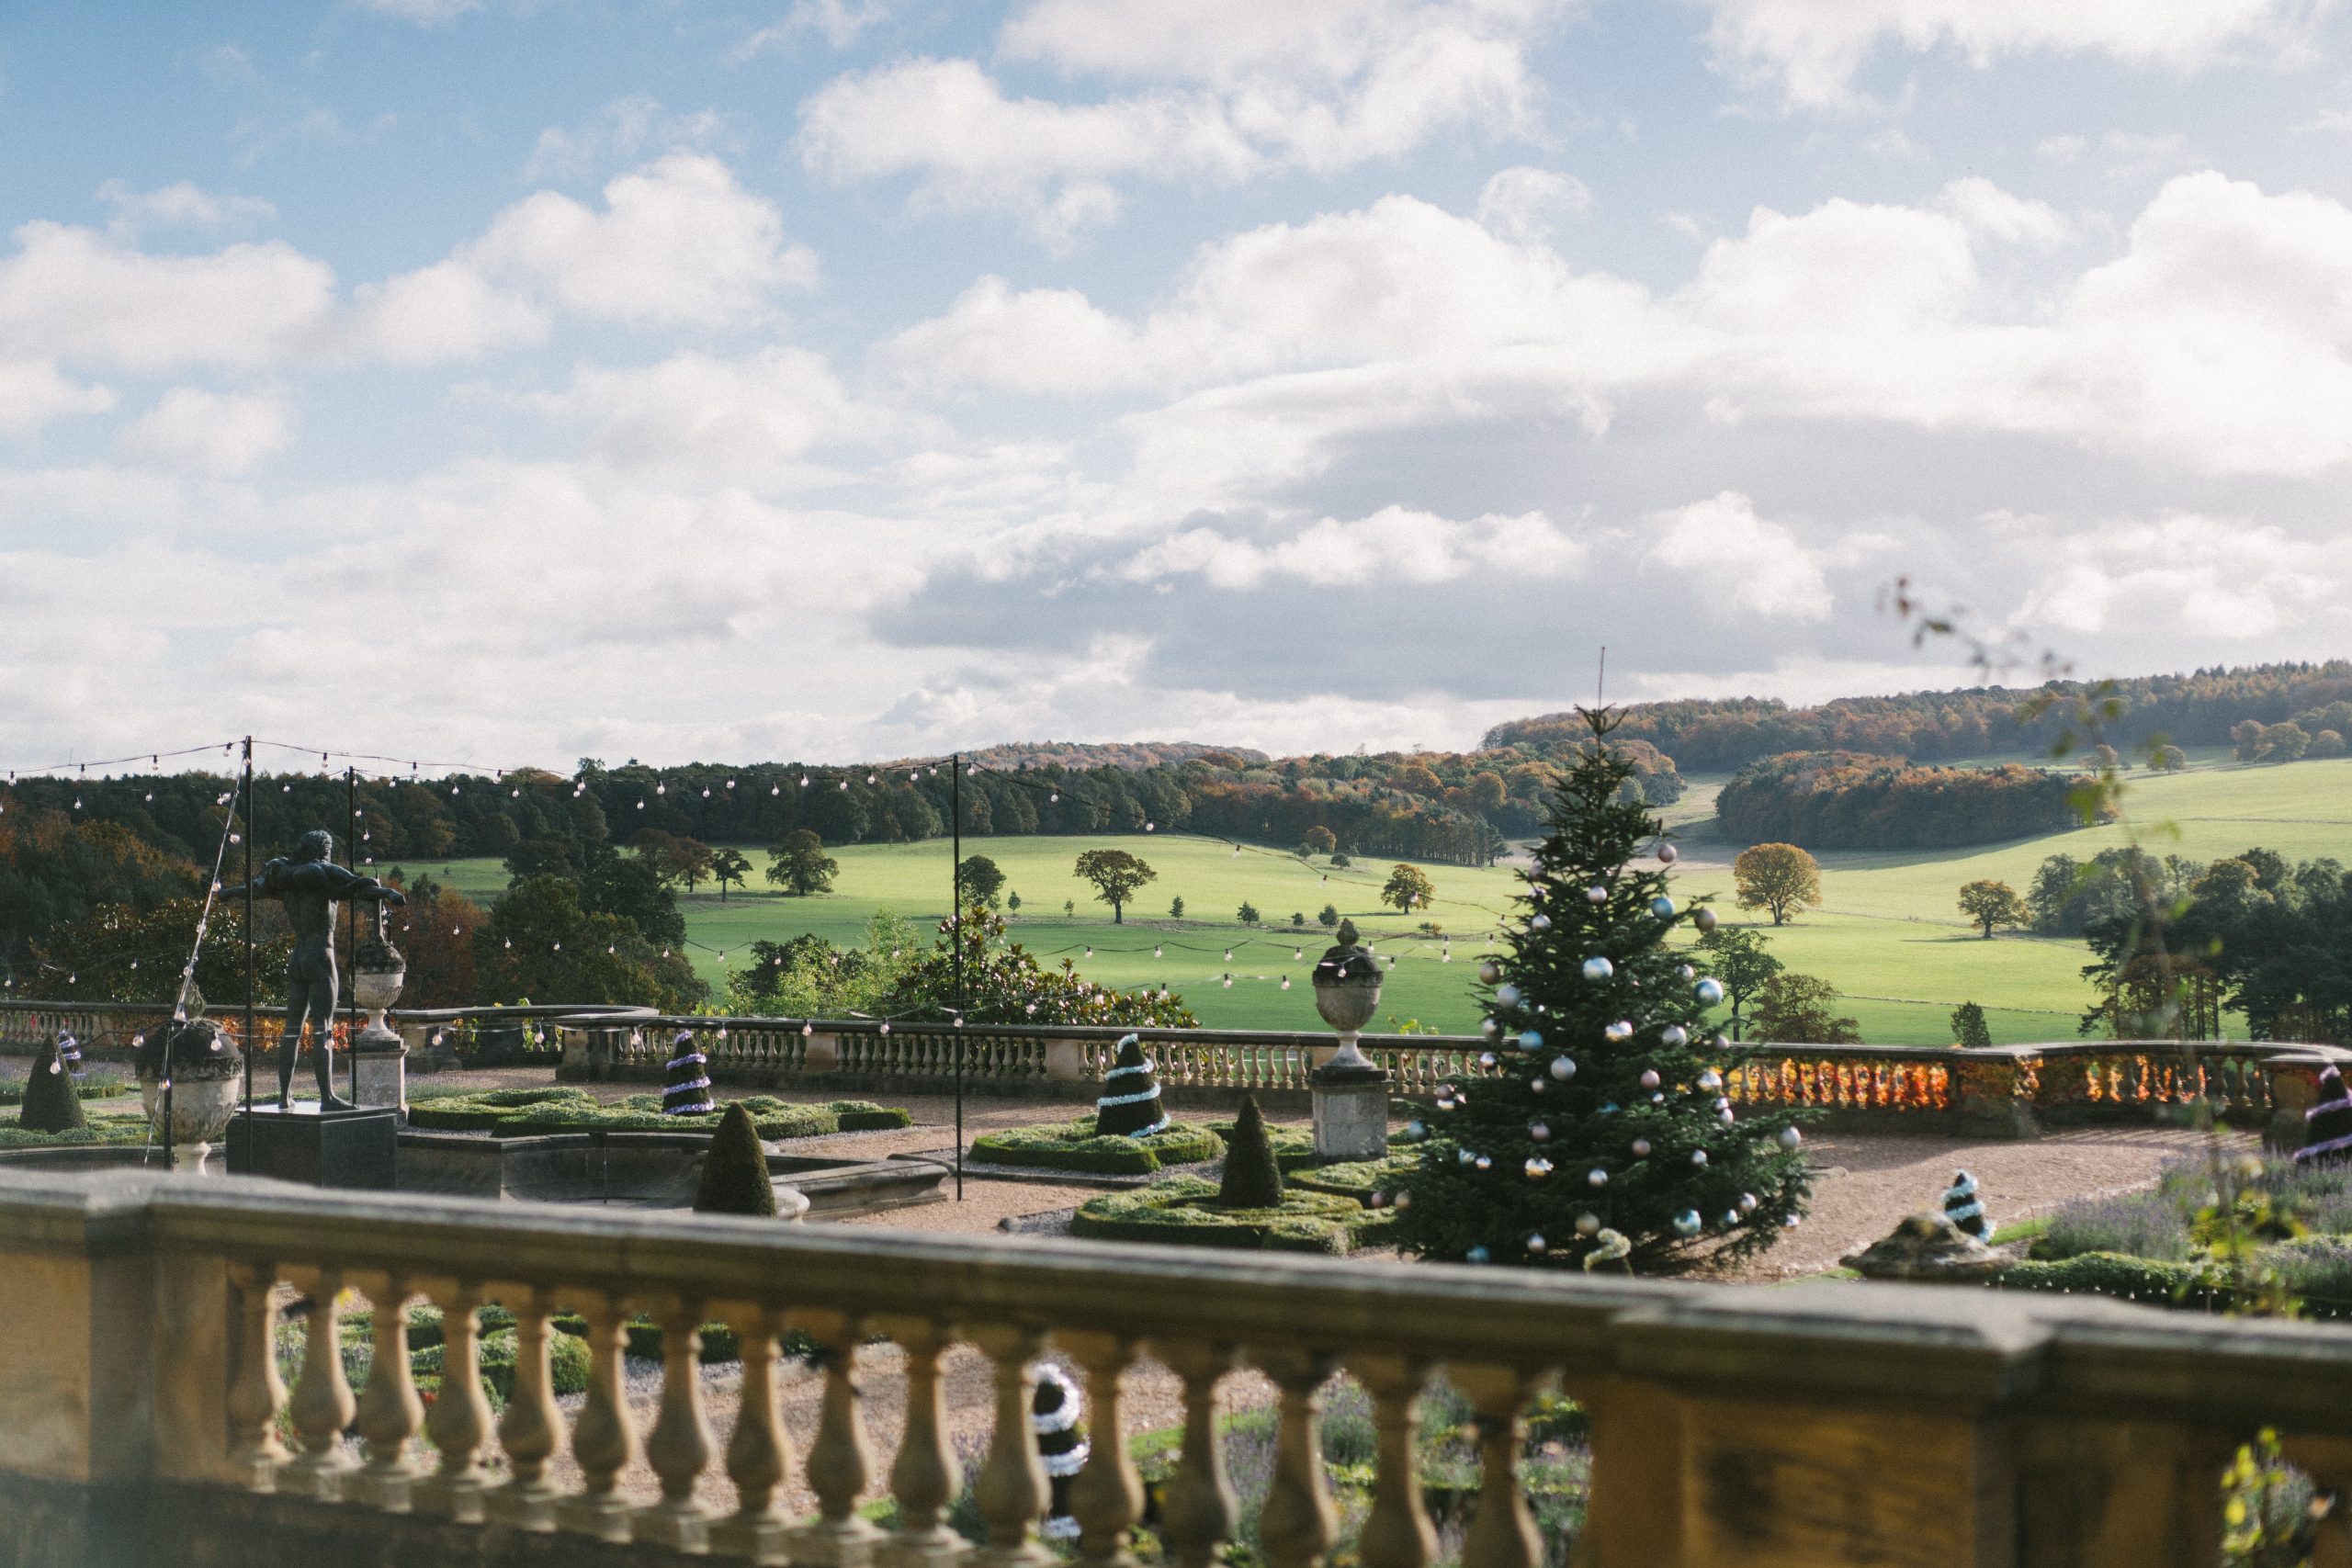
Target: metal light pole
(350,927)
(955,932)
(252,1045)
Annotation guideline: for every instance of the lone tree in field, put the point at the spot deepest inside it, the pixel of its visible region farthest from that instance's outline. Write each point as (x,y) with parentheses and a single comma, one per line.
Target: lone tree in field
(983,881)
(1738,958)
(1407,889)
(1800,1009)
(1609,1113)
(1778,878)
(1318,841)
(1117,877)
(801,866)
(1969,1028)
(728,865)
(1989,904)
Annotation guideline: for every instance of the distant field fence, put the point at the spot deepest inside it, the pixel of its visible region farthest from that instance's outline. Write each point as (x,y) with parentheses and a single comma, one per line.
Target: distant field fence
(2004,1091)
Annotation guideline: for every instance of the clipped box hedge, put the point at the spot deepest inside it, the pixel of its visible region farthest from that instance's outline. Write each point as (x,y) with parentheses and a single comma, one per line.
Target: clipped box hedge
(2151,1281)
(536,1112)
(1074,1145)
(1357,1179)
(107,1129)
(1182,1211)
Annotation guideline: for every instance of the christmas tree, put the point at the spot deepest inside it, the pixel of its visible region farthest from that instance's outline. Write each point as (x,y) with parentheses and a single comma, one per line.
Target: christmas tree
(686,1081)
(1608,1111)
(50,1103)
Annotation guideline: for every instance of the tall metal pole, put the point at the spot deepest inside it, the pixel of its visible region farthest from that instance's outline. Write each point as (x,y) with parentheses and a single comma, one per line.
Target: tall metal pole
(252,1044)
(350,929)
(955,917)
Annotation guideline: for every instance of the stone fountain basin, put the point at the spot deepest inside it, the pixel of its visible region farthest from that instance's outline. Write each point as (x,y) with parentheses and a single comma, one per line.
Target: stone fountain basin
(652,1170)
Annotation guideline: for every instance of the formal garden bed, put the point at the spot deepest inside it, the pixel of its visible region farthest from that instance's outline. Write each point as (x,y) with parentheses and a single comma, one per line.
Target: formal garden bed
(1076,1146)
(2156,1246)
(536,1112)
(1184,1209)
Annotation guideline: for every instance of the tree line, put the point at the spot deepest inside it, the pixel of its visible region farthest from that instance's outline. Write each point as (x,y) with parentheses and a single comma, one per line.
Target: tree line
(2203,708)
(1846,800)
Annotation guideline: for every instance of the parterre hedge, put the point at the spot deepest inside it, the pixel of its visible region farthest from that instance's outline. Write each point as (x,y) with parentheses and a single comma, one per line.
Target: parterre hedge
(1073,1146)
(1182,1211)
(1357,1179)
(534,1112)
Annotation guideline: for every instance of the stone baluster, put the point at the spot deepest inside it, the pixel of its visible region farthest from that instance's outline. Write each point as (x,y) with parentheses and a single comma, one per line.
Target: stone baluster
(925,1476)
(389,1410)
(1299,1521)
(679,1446)
(1011,1491)
(533,1429)
(1397,1533)
(1198,1513)
(322,1405)
(759,1453)
(603,1440)
(1503,1533)
(840,1458)
(256,1392)
(1106,1496)
(459,1423)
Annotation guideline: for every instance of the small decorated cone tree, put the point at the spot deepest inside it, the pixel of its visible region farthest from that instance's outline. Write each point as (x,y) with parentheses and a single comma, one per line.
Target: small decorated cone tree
(685,1082)
(1250,1179)
(735,1172)
(69,1051)
(1055,1416)
(2327,1126)
(50,1103)
(1608,1111)
(1129,1107)
(1964,1209)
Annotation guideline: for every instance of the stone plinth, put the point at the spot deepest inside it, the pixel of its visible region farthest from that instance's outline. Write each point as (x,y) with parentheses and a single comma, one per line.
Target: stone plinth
(1351,1112)
(380,1078)
(331,1149)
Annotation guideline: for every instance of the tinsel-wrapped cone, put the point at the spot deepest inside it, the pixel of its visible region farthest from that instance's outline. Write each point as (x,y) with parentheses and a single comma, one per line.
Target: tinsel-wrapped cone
(1129,1107)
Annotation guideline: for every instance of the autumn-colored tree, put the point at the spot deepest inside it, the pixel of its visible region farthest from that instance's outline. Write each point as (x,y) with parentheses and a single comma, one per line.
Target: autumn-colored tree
(434,932)
(1799,1010)
(1407,889)
(1778,878)
(1117,877)
(1988,904)
(1318,841)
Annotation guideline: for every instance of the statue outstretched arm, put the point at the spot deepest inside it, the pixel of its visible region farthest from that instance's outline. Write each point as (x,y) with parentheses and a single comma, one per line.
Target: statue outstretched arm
(349,885)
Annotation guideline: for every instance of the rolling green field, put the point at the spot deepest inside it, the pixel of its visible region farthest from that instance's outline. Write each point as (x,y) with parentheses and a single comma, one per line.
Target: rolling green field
(1887,933)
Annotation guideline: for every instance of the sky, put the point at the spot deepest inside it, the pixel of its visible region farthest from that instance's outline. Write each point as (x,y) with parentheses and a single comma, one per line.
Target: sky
(522,380)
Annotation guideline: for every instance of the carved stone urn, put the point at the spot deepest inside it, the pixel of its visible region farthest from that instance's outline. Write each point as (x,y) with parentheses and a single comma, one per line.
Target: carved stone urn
(204,1070)
(1347,993)
(377,973)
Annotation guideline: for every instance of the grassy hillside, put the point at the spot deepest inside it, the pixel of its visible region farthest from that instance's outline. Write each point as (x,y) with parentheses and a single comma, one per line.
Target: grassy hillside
(1888,933)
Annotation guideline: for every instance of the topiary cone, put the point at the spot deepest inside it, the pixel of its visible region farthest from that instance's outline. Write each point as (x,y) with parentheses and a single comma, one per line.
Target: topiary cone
(50,1105)
(735,1172)
(1250,1180)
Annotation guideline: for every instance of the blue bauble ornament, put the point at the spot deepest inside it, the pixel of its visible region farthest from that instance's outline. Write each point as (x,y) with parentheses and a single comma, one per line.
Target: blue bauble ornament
(1662,907)
(1530,1040)
(1416,1130)
(1709,992)
(1686,1222)
(1597,969)
(1476,1255)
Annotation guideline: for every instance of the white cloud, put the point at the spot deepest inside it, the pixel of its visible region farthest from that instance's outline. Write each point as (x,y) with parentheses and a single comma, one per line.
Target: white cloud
(623,128)
(32,393)
(1394,544)
(837,21)
(745,420)
(72,295)
(1231,90)
(1725,551)
(217,432)
(1519,204)
(423,13)
(679,244)
(2227,579)
(1813,48)
(178,206)
(1985,209)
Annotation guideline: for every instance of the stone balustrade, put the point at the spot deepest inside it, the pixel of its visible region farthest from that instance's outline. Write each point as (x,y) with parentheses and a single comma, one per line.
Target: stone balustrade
(1815,1426)
(2003,1091)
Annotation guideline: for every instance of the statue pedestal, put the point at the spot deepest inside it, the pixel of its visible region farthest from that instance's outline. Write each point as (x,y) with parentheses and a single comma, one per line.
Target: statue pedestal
(380,1075)
(1351,1112)
(331,1149)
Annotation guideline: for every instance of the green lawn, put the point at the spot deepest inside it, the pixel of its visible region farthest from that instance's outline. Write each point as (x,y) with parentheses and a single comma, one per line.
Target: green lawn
(1888,933)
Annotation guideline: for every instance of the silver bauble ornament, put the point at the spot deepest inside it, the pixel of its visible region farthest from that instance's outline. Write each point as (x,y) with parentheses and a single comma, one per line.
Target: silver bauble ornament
(1704,919)
(1791,1138)
(1535,1245)
(1709,992)
(1377,1201)
(1483,1162)
(1686,1222)
(1506,996)
(1404,1201)
(1649,1079)
(1540,1131)
(1597,1177)
(1747,1203)
(1674,1037)
(1725,1117)
(1490,1027)
(1540,923)
(1416,1130)
(1487,1060)
(1489,972)
(1685,973)
(1563,1069)
(1621,1030)
(1697,1156)
(1596,894)
(1538,1168)
(1597,969)
(1667,855)
(1731,1218)
(1588,1225)
(1464,1157)
(1711,1080)
(1641,1148)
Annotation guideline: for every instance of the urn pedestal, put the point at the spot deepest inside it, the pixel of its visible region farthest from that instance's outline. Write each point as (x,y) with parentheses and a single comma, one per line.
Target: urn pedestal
(1350,1092)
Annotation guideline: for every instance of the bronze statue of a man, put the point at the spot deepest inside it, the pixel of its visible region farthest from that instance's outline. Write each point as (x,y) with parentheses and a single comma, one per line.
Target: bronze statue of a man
(309,885)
